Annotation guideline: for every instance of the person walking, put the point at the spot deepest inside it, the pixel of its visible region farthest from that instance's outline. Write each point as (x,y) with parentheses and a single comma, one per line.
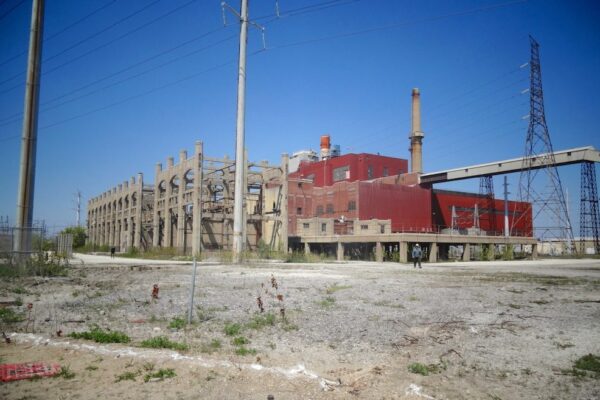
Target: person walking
(417,254)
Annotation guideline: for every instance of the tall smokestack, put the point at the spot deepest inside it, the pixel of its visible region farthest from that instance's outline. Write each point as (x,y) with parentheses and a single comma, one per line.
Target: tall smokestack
(325,147)
(416,136)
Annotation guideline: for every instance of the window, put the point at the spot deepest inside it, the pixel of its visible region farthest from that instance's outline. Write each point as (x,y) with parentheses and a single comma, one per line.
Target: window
(311,177)
(323,227)
(306,225)
(329,208)
(382,228)
(370,172)
(385,171)
(364,227)
(299,211)
(341,173)
(319,210)
(351,205)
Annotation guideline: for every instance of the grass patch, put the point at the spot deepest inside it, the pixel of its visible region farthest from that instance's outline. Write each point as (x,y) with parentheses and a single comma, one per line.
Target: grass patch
(91,368)
(413,298)
(515,306)
(37,265)
(240,341)
(334,288)
(9,316)
(163,342)
(327,302)
(422,369)
(563,346)
(161,374)
(65,373)
(244,351)
(232,329)
(260,321)
(418,368)
(588,362)
(20,290)
(177,323)
(126,376)
(99,336)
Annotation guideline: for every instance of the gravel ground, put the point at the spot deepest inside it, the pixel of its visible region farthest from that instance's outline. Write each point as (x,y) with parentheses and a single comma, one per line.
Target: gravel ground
(493,330)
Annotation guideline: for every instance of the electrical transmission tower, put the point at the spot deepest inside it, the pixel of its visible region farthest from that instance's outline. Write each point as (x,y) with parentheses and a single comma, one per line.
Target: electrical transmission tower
(589,218)
(547,205)
(488,209)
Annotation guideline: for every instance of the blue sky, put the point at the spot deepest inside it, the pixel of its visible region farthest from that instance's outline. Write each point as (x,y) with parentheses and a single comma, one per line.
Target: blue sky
(134,82)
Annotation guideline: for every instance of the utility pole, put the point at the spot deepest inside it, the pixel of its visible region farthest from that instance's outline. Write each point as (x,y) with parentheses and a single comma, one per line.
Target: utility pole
(78,207)
(29,136)
(239,190)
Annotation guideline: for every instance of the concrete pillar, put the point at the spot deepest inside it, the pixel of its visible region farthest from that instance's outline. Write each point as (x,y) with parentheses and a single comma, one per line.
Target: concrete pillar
(284,202)
(534,251)
(491,252)
(403,248)
(340,251)
(378,252)
(433,252)
(156,211)
(197,199)
(137,234)
(466,252)
(306,248)
(180,206)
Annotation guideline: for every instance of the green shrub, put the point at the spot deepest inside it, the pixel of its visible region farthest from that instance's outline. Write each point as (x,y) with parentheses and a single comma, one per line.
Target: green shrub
(177,323)
(9,316)
(99,336)
(162,342)
(160,374)
(240,341)
(260,321)
(232,329)
(418,368)
(243,351)
(589,362)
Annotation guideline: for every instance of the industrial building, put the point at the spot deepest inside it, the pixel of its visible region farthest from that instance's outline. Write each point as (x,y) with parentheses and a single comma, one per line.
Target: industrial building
(352,205)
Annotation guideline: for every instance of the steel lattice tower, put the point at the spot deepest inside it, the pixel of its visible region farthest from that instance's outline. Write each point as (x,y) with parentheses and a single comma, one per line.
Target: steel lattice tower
(488,209)
(549,208)
(589,217)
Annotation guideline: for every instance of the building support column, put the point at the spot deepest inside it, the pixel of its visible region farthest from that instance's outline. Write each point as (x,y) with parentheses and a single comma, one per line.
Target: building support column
(168,242)
(403,249)
(306,248)
(433,252)
(340,251)
(156,212)
(284,203)
(466,252)
(534,251)
(378,252)
(137,233)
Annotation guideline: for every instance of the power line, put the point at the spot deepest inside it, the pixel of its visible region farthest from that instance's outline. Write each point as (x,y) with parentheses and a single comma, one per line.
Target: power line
(400,24)
(11,10)
(95,34)
(24,52)
(15,117)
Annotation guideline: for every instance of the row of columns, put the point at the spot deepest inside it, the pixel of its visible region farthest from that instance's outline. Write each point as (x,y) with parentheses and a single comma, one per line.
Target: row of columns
(433,251)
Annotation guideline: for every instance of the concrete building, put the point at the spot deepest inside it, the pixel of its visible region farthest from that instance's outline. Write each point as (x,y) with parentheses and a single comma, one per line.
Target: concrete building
(190,207)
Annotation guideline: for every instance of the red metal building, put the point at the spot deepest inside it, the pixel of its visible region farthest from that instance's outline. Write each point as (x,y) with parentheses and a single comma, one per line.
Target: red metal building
(369,186)
(350,168)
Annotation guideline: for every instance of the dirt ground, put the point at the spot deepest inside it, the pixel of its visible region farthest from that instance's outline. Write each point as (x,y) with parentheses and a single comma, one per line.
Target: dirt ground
(492,330)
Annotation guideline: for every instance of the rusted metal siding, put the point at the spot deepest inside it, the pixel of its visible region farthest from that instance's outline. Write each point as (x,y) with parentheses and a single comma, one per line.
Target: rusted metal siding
(409,207)
(491,213)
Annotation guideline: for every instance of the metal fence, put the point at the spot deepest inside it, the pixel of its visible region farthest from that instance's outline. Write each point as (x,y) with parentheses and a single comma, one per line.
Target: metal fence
(25,241)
